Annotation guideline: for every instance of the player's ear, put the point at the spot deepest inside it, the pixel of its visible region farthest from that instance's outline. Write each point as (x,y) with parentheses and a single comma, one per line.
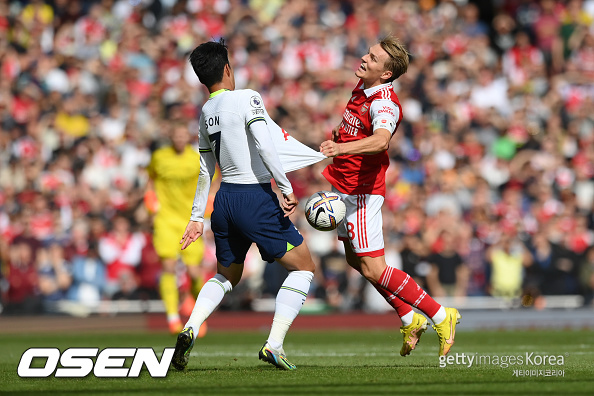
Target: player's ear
(386,75)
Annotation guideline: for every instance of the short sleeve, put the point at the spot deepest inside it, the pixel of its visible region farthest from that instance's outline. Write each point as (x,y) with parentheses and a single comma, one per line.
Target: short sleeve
(384,115)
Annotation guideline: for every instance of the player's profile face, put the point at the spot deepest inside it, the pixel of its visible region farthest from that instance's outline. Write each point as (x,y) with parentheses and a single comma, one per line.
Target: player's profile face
(373,64)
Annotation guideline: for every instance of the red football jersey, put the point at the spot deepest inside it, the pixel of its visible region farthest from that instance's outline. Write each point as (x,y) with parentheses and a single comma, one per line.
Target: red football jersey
(361,174)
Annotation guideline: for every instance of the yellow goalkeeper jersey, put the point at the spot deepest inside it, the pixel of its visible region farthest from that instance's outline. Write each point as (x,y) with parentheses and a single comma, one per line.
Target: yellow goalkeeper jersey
(175,177)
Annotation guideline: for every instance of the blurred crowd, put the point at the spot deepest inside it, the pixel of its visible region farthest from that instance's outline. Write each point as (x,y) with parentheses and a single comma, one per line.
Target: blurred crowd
(491,183)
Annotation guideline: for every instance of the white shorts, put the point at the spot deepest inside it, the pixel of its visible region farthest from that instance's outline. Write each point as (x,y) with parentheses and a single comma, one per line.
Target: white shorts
(362,225)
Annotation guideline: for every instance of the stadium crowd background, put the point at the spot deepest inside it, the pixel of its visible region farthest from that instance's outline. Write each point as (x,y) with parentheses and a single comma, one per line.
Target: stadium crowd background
(491,186)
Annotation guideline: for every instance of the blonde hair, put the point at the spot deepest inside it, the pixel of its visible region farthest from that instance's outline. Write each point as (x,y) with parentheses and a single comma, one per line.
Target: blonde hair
(397,62)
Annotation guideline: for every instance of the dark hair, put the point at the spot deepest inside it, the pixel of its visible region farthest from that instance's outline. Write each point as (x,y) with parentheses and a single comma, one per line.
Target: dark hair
(208,61)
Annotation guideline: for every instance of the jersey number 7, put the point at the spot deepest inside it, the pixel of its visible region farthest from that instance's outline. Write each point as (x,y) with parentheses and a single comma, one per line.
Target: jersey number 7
(215,140)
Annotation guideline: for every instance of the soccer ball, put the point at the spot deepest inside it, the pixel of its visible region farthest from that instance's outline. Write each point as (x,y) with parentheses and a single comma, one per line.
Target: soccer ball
(325,210)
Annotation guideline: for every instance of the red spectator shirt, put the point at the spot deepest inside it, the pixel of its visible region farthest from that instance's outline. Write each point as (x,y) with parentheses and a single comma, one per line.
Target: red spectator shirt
(363,174)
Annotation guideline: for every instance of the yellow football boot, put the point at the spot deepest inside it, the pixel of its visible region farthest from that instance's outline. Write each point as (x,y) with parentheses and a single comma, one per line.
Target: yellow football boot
(446,330)
(412,333)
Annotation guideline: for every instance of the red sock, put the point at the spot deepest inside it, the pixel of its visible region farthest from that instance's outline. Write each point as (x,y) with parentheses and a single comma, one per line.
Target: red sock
(400,306)
(401,284)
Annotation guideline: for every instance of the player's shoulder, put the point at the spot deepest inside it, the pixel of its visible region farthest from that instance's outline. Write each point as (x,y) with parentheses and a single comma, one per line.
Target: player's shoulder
(386,96)
(160,156)
(384,103)
(249,99)
(162,151)
(244,93)
(385,106)
(247,91)
(385,92)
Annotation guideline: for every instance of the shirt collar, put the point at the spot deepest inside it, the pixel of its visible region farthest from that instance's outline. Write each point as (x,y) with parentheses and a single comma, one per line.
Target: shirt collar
(212,95)
(370,91)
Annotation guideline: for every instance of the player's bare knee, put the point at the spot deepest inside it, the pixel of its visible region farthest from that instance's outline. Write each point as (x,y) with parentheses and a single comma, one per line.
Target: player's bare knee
(298,264)
(305,262)
(298,259)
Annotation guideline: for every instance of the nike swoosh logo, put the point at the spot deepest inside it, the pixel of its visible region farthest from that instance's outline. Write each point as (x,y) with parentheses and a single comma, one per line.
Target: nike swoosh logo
(413,339)
(320,210)
(452,333)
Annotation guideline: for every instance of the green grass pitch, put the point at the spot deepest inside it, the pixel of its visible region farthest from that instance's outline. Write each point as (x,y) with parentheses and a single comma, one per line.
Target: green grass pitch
(329,363)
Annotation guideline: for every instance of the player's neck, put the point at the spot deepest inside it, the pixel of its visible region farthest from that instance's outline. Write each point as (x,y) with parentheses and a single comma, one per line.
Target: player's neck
(371,84)
(223,85)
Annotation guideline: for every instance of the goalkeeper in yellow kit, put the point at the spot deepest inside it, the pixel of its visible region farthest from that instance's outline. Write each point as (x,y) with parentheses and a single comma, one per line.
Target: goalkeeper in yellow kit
(173,173)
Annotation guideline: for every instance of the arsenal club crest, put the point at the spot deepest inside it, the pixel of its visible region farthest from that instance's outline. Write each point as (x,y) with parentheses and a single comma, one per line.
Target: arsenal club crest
(364,108)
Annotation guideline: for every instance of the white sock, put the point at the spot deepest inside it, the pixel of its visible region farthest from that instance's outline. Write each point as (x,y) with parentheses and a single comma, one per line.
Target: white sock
(289,300)
(208,300)
(439,316)
(407,319)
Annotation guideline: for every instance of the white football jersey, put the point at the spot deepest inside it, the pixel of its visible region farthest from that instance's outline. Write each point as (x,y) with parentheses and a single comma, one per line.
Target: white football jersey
(237,132)
(224,129)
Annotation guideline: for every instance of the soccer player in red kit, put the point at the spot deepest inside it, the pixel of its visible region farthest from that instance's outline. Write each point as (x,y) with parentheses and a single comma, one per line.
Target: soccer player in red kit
(359,147)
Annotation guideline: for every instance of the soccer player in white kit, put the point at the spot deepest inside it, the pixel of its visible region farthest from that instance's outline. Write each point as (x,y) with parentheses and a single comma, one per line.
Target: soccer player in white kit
(234,133)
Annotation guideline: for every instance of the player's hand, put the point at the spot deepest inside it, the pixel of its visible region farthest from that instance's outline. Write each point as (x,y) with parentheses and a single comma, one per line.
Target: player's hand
(289,204)
(193,231)
(335,133)
(330,148)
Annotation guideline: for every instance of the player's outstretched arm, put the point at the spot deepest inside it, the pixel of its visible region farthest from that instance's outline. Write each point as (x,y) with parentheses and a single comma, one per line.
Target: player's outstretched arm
(193,231)
(376,143)
(270,158)
(384,119)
